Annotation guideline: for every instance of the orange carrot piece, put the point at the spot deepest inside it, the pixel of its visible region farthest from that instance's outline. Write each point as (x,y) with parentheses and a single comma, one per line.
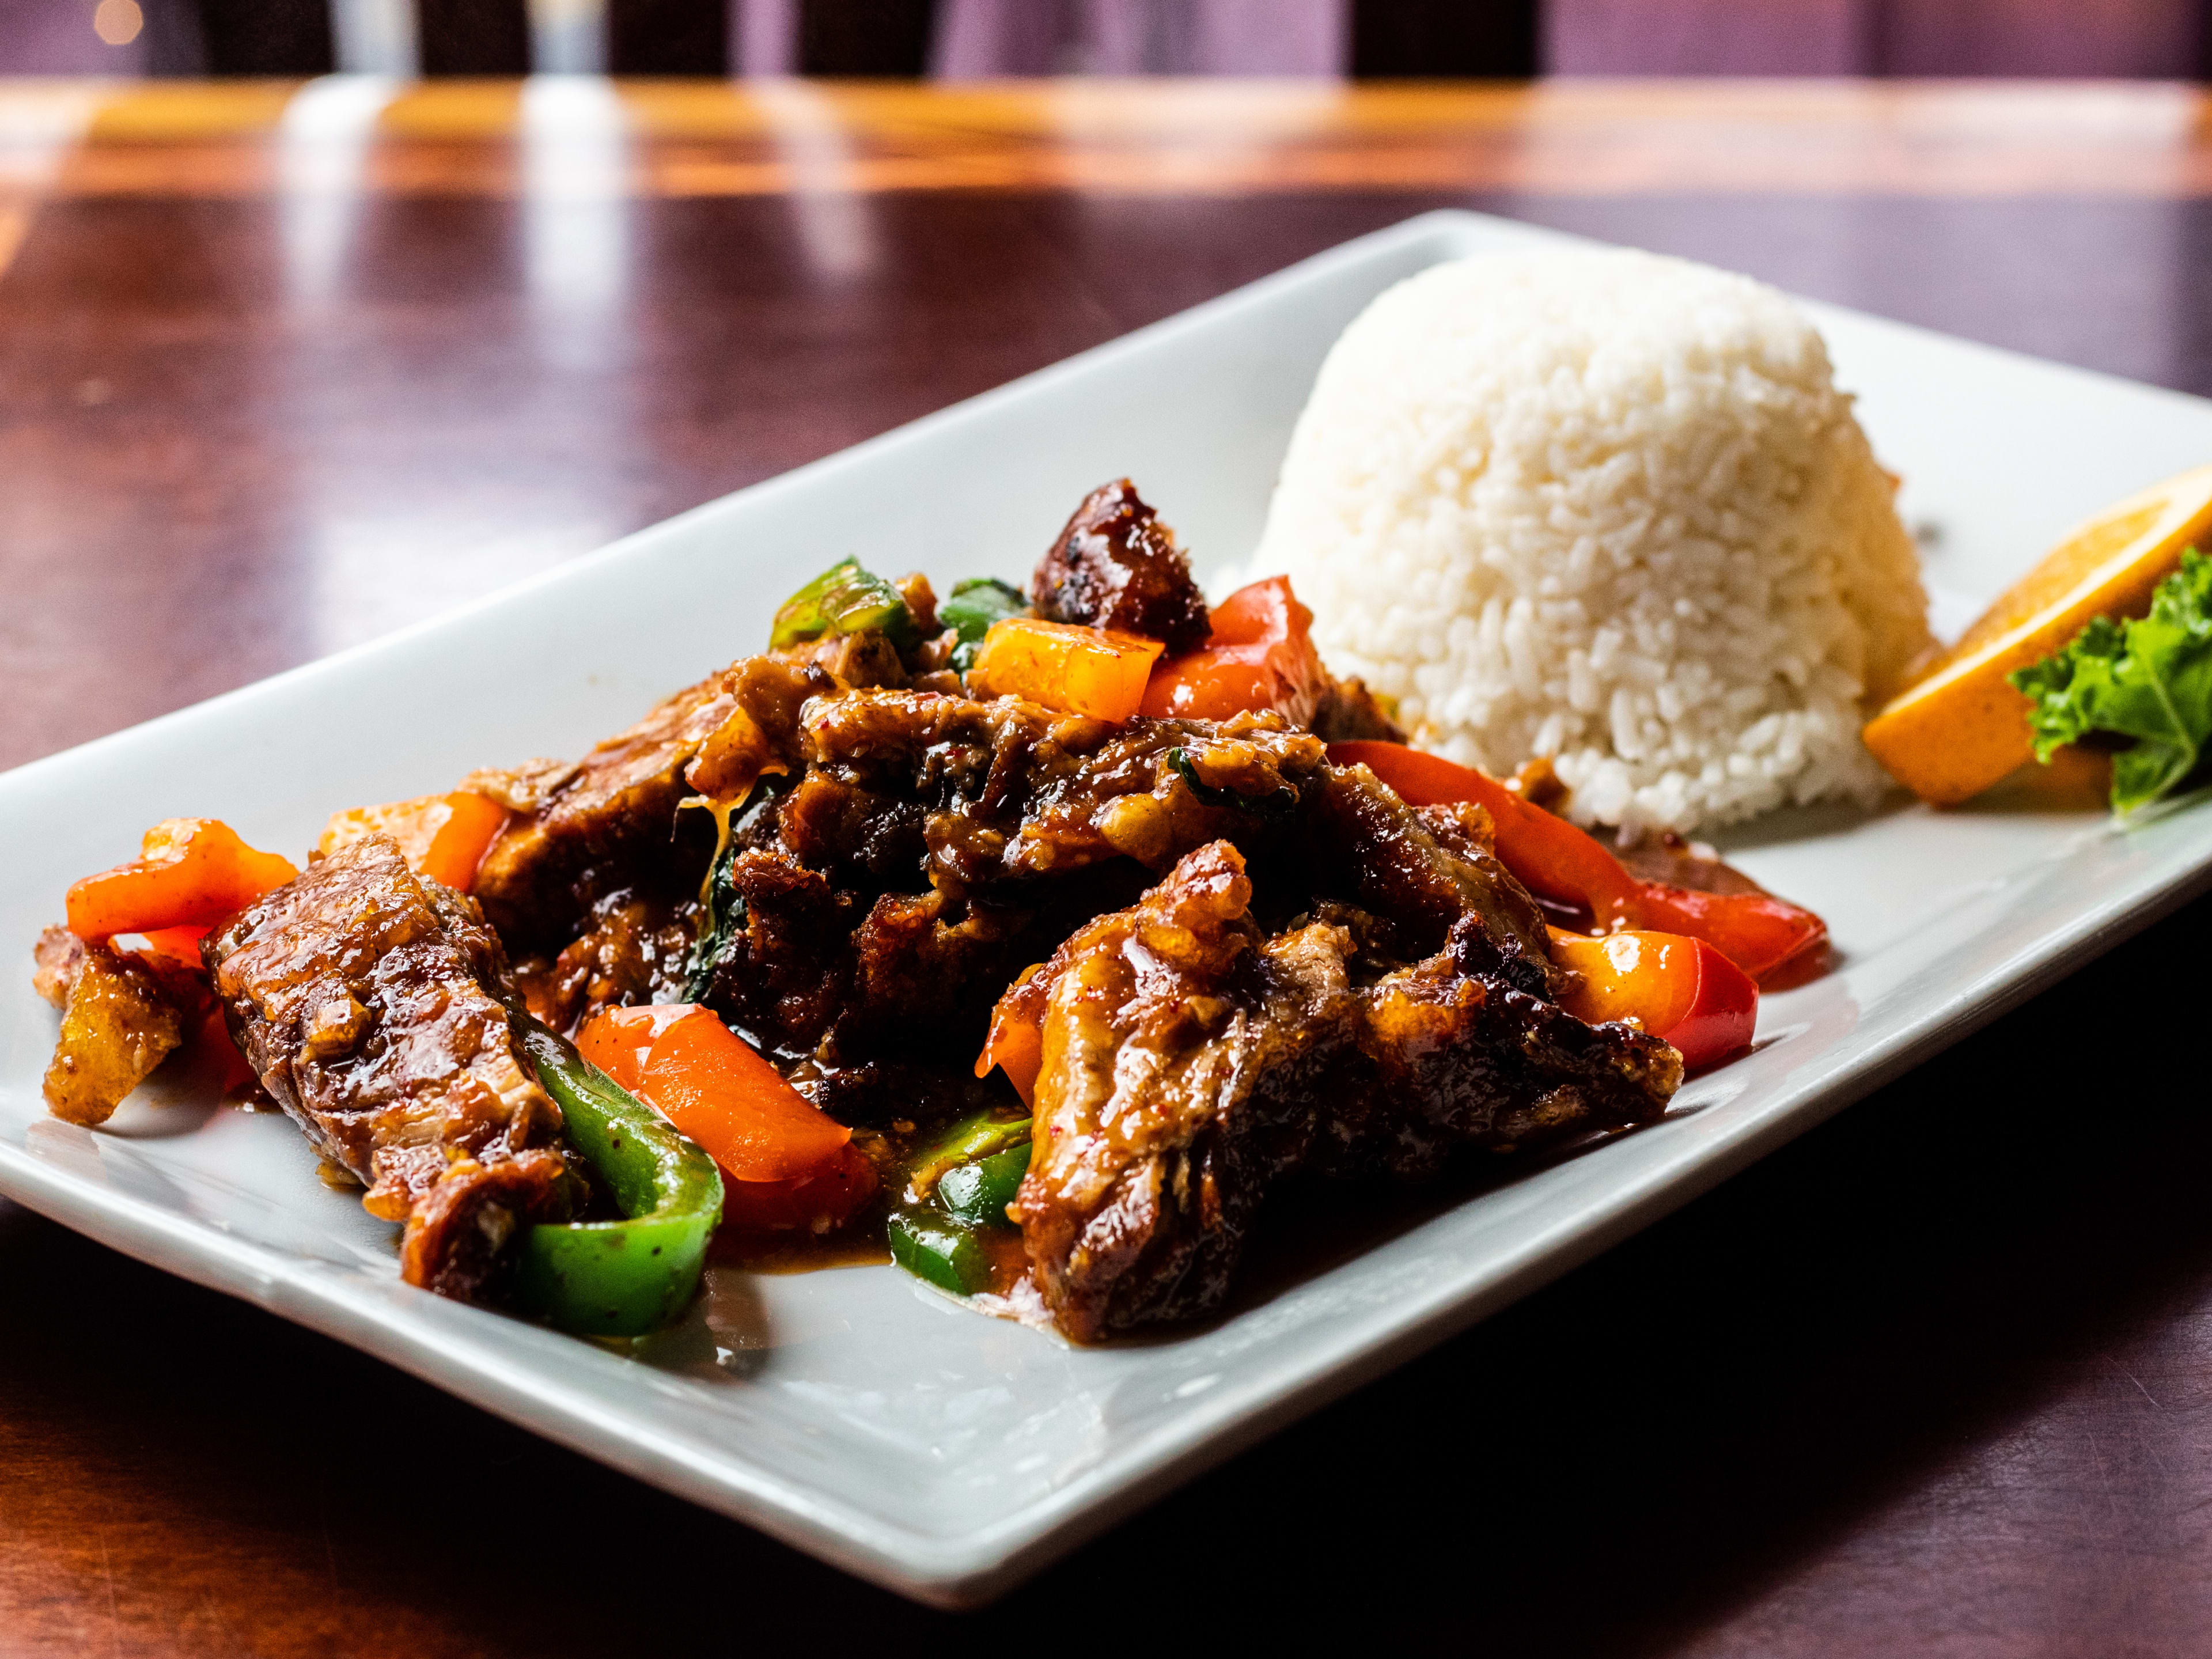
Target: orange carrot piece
(735,1105)
(191,872)
(1092,671)
(1016,1044)
(618,1040)
(444,837)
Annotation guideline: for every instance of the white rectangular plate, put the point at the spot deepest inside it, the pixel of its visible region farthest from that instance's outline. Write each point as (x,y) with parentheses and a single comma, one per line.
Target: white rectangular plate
(853,1413)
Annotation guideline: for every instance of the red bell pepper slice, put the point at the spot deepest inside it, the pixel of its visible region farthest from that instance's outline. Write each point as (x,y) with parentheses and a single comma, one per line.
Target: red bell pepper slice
(1556,860)
(191,872)
(1758,932)
(1680,990)
(1259,655)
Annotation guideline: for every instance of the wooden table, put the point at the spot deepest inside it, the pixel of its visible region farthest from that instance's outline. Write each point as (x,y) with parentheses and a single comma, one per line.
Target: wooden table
(282,368)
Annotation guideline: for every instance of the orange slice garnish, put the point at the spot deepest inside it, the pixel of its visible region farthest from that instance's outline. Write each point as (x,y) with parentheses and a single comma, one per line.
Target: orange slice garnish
(1960,727)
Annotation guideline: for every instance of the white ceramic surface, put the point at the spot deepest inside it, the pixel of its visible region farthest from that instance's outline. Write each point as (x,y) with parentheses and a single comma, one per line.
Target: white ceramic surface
(854,1413)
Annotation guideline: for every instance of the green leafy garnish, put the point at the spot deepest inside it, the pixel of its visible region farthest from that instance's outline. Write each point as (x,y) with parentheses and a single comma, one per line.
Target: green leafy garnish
(845,598)
(722,922)
(1274,804)
(2149,680)
(975,606)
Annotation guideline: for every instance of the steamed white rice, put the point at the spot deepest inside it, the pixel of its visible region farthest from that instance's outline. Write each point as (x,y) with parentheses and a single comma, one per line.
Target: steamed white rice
(1610,508)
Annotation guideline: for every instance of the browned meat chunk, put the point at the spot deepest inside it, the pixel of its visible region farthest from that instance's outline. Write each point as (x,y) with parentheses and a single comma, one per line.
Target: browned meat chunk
(1026,793)
(1422,871)
(121,1018)
(1117,565)
(366,998)
(607,824)
(634,950)
(934,846)
(1189,1061)
(1349,712)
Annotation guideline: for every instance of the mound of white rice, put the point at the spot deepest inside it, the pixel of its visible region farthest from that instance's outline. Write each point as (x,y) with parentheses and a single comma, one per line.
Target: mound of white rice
(1608,508)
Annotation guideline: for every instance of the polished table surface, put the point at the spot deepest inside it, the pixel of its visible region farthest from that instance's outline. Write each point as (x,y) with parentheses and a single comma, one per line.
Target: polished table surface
(283,367)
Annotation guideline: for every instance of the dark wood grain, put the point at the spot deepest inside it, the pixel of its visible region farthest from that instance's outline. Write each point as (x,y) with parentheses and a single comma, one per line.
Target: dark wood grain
(1932,1380)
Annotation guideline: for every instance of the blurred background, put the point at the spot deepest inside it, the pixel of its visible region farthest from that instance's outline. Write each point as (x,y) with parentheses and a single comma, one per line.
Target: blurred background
(963,40)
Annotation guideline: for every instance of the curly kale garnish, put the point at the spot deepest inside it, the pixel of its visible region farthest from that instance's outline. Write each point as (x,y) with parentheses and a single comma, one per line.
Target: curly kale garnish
(2148,681)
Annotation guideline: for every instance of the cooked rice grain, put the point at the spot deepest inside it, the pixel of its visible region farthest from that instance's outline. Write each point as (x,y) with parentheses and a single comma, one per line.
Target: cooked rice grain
(1609,507)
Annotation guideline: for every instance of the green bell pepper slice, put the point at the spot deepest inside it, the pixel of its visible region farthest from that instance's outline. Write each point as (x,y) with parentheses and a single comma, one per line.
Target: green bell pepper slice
(846,599)
(617,1278)
(947,1254)
(963,1143)
(977,1193)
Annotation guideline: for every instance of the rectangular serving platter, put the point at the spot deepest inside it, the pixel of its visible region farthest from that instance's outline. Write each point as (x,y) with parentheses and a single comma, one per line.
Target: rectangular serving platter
(854,1413)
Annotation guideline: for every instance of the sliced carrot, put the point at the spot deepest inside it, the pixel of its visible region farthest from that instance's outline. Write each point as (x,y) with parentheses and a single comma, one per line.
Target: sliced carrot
(1092,671)
(1259,655)
(707,1082)
(443,836)
(191,872)
(618,1040)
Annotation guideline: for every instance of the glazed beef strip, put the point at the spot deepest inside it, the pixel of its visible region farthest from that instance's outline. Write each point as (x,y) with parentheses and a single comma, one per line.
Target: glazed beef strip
(1191,1061)
(368,999)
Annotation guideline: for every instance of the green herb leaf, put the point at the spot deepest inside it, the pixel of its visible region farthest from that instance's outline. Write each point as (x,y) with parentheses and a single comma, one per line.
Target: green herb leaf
(2149,680)
(1273,805)
(975,606)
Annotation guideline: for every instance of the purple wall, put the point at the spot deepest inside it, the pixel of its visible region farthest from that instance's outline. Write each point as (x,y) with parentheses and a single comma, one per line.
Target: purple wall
(2097,38)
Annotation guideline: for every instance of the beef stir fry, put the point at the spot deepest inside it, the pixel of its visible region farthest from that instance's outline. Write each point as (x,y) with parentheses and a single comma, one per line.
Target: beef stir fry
(1041,932)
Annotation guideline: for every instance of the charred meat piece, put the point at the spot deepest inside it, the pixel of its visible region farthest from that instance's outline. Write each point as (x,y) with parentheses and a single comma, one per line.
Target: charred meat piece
(1182,1057)
(367,998)
(606,823)
(1117,565)
(1452,1052)
(121,1017)
(1422,869)
(935,846)
(1190,1062)
(1349,712)
(633,948)
(1013,793)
